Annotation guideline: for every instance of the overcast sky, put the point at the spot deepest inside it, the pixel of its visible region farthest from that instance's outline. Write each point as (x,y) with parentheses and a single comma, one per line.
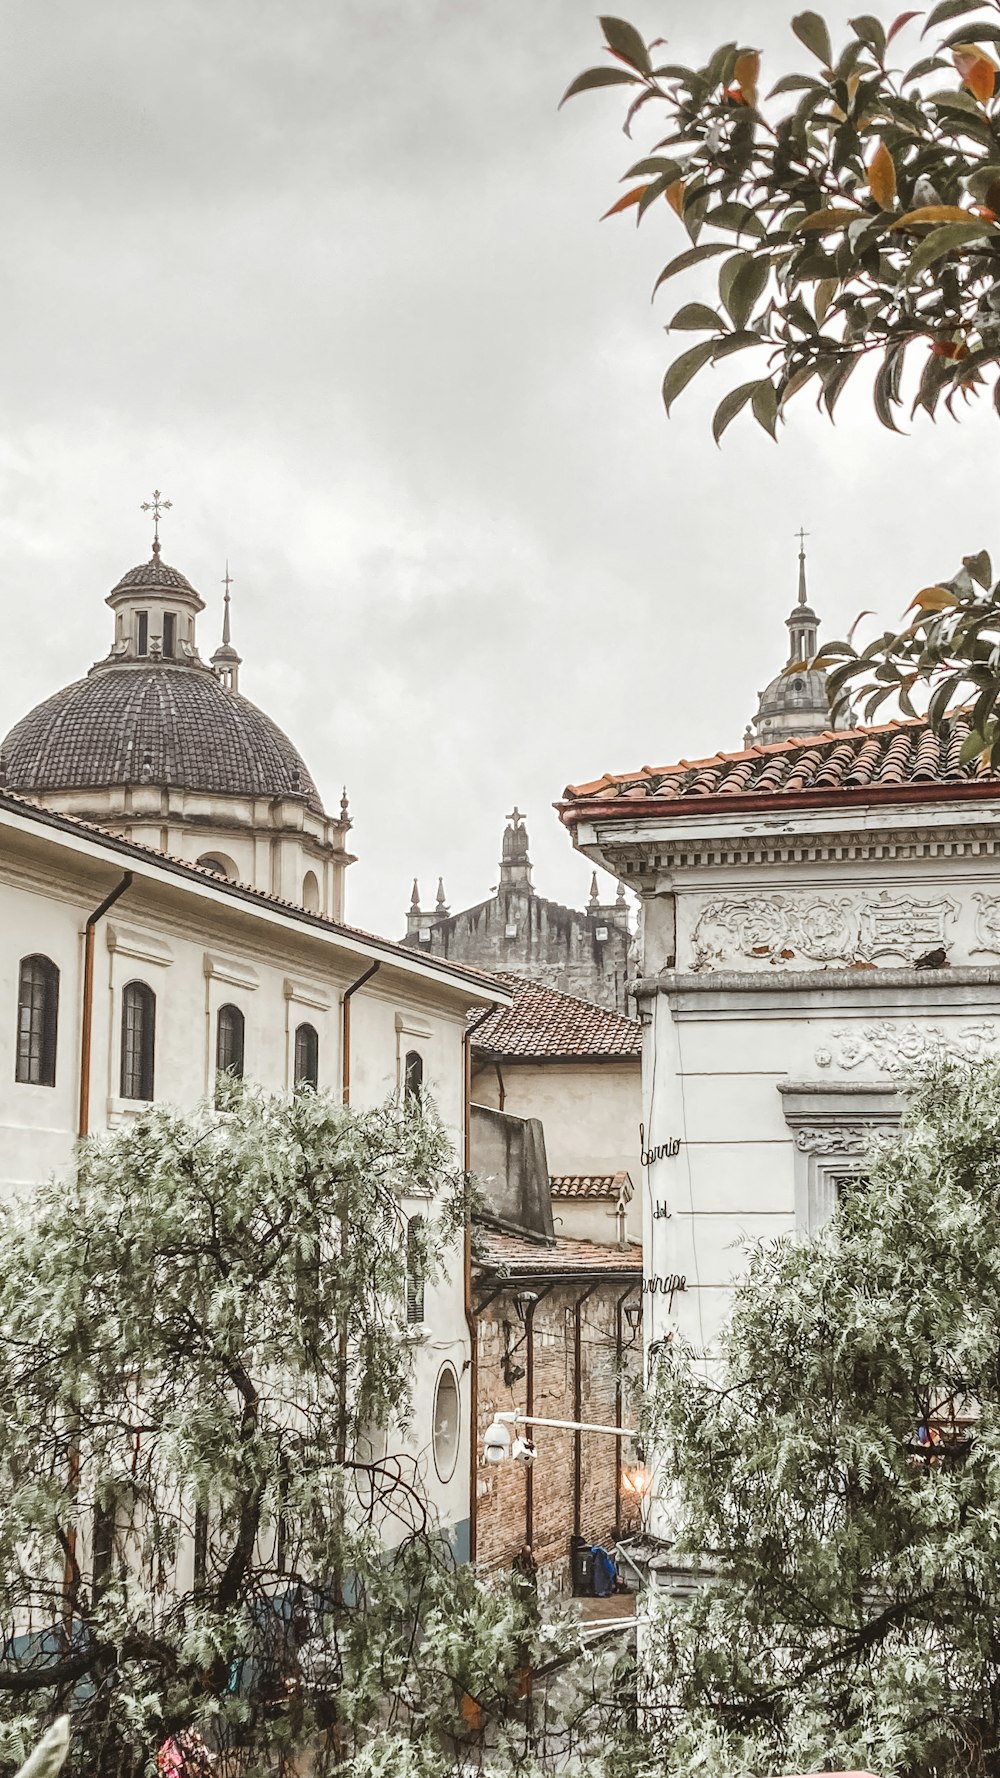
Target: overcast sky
(330,273)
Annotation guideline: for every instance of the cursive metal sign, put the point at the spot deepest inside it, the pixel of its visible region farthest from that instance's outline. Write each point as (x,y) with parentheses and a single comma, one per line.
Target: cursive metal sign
(661,1151)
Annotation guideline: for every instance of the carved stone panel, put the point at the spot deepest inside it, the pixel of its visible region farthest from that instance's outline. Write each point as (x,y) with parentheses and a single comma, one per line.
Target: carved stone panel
(801,931)
(890,1046)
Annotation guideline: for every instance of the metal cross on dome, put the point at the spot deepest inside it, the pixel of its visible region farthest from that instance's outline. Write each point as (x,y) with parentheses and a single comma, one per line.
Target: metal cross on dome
(801,535)
(157,506)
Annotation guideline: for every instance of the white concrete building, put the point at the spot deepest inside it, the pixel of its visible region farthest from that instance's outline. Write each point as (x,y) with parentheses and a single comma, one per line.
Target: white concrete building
(127,976)
(818,916)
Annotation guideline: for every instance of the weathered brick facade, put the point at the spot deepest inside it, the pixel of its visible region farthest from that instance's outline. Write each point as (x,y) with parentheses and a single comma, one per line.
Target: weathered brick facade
(539,1505)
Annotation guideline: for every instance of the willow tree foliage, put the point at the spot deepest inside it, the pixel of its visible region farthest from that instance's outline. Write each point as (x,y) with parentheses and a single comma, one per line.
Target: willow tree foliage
(849,214)
(198,1333)
(836,1481)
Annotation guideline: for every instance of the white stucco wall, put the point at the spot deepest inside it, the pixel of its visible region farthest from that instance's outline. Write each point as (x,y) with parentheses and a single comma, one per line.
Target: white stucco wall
(781,1009)
(198,950)
(590,1112)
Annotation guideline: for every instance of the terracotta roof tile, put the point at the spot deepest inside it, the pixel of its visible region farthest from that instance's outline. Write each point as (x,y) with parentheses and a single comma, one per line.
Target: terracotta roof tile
(116,842)
(845,766)
(496,1252)
(545,1024)
(590,1185)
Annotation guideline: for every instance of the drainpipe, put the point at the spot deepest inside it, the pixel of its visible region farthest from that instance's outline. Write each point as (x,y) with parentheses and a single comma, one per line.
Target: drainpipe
(529,1390)
(70,1574)
(502,1091)
(471,1314)
(345,1094)
(578,1407)
(345,1047)
(87,1021)
(619,1355)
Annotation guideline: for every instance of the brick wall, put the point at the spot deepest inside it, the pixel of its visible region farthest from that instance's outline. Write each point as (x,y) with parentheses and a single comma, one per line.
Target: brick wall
(502,1488)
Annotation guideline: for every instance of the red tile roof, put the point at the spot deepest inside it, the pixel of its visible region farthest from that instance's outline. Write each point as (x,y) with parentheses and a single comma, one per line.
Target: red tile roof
(545,1025)
(590,1185)
(174,866)
(518,1257)
(896,762)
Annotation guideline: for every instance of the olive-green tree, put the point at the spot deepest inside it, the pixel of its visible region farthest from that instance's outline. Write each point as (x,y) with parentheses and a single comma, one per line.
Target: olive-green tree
(198,1331)
(851,214)
(835,1479)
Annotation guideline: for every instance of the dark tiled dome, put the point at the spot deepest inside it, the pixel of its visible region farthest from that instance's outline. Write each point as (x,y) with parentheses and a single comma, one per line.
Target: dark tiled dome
(155,723)
(154,574)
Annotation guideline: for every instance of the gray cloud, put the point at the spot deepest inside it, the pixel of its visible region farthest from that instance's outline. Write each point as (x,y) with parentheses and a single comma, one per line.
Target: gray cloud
(331,273)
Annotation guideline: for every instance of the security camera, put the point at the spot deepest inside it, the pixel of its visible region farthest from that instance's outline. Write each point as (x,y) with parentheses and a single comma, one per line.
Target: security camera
(496,1442)
(523,1451)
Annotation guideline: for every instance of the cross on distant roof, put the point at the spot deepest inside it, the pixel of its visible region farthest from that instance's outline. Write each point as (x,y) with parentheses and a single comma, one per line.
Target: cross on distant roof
(157,506)
(515,815)
(227,580)
(802,535)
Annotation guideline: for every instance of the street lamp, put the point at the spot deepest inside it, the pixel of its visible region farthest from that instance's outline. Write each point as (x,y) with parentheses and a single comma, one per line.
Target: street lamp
(497,1443)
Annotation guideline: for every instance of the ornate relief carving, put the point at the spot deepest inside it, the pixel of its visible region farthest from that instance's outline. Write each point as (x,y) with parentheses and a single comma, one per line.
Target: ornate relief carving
(893,1046)
(987,922)
(776,928)
(900,926)
(838,1140)
(787,929)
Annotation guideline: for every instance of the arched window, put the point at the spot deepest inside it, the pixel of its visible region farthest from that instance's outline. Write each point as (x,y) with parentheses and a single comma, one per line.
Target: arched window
(306,1056)
(138,1040)
(414,1270)
(37,1019)
(229,1031)
(220,864)
(413,1075)
(310,892)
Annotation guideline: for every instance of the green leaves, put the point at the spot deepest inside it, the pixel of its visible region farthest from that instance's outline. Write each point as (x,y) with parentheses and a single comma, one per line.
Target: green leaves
(683,369)
(948,239)
(627,43)
(811,30)
(742,282)
(594,77)
(697,315)
(765,406)
(851,216)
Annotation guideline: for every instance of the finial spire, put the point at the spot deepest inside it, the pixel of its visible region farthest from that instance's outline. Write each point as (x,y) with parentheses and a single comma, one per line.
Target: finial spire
(158,505)
(227,581)
(802,535)
(595,898)
(415,897)
(441,902)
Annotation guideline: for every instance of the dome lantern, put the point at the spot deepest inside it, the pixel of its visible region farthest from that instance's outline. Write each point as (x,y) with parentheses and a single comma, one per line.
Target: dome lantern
(795,704)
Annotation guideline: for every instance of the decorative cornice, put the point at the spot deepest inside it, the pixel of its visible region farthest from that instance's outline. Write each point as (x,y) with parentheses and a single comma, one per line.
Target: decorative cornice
(641,855)
(827,981)
(836,1138)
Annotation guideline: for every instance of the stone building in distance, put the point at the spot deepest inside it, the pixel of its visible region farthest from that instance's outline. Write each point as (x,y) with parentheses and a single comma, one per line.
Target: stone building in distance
(516,930)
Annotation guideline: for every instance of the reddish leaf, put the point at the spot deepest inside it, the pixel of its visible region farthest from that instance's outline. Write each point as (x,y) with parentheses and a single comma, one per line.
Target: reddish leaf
(882,178)
(897,24)
(630,197)
(746,72)
(977,71)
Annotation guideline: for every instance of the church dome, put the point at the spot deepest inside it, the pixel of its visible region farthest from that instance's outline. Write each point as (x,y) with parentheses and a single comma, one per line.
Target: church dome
(793,703)
(154,722)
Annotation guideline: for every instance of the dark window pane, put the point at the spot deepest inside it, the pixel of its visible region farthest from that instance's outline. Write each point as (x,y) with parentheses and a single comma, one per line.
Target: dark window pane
(37,1020)
(413,1075)
(142,633)
(138,1040)
(414,1271)
(306,1056)
(229,1042)
(169,633)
